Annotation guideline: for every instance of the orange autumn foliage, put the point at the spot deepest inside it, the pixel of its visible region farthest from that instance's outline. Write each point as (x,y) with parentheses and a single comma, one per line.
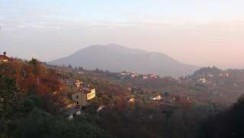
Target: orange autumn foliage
(34,77)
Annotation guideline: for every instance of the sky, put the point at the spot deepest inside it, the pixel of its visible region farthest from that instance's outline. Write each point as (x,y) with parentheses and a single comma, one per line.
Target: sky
(199,32)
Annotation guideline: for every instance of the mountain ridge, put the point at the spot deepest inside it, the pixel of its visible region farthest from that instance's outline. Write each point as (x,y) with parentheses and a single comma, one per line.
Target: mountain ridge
(118,58)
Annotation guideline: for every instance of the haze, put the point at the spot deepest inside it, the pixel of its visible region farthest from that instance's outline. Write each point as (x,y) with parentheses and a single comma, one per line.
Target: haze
(202,32)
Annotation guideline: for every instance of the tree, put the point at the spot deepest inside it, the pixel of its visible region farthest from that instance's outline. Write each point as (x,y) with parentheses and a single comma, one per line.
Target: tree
(227,124)
(8,96)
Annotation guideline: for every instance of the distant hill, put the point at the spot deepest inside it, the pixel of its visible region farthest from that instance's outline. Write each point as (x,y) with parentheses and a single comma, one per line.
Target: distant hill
(118,58)
(214,72)
(207,70)
(224,86)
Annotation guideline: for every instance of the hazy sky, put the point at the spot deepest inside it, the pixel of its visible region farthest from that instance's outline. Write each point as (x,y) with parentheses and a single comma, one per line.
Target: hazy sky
(200,32)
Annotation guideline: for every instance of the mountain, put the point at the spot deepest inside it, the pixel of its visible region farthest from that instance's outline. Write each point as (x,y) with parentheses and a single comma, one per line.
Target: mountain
(118,58)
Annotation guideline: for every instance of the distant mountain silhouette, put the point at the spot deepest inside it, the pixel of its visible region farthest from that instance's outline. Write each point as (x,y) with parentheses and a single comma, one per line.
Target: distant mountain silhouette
(118,58)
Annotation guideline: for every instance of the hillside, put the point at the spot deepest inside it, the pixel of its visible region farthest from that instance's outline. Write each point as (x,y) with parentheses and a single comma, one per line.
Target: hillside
(32,102)
(118,58)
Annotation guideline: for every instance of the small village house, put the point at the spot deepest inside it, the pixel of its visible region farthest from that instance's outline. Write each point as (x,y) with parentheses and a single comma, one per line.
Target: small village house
(83,96)
(78,83)
(4,58)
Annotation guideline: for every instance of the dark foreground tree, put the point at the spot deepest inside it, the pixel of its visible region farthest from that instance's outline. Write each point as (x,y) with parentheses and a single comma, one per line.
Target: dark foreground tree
(228,124)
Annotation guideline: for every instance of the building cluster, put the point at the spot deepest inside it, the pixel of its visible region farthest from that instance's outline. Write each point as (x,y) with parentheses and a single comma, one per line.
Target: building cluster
(133,75)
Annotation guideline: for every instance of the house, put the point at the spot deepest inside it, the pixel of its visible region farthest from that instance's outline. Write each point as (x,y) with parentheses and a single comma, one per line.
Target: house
(202,80)
(78,83)
(145,77)
(157,98)
(153,76)
(4,58)
(83,96)
(131,100)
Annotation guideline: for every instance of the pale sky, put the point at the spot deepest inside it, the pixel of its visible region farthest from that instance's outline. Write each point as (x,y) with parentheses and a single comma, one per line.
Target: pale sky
(199,32)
